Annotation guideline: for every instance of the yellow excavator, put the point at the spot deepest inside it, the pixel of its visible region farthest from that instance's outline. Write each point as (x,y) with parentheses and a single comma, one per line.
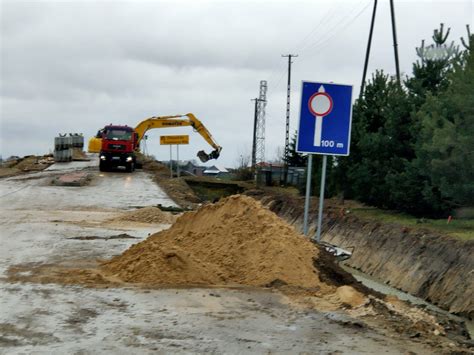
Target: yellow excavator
(117,145)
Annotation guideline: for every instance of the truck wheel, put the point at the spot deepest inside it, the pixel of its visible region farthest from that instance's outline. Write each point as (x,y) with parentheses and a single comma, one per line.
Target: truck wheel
(138,164)
(130,167)
(102,166)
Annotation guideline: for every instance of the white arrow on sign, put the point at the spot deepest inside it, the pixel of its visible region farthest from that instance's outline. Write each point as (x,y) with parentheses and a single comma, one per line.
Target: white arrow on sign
(320,104)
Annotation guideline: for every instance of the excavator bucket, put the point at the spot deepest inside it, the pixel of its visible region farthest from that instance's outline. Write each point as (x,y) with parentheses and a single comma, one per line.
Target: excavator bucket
(203,156)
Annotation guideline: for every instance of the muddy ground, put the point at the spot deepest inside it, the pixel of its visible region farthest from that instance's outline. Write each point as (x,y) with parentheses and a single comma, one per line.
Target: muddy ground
(49,226)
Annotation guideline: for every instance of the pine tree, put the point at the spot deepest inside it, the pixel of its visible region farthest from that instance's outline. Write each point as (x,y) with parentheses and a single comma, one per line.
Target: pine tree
(431,69)
(446,147)
(295,158)
(381,140)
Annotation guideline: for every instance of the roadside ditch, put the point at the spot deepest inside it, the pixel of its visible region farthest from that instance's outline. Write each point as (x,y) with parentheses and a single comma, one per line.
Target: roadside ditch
(436,268)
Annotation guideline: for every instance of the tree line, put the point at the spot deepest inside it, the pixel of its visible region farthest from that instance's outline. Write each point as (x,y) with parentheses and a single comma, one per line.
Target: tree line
(412,143)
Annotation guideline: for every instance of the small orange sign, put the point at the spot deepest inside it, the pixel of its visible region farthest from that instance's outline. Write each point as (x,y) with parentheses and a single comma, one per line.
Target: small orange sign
(176,139)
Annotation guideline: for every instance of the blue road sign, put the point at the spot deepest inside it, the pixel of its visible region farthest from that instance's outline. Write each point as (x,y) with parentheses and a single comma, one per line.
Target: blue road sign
(325,119)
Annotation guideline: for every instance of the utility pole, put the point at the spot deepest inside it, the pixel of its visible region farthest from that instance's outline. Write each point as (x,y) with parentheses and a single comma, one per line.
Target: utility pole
(287,132)
(395,45)
(367,53)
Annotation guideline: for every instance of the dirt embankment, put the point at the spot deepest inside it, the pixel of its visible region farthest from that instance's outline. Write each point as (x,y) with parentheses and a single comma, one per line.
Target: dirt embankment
(176,188)
(190,191)
(436,268)
(24,165)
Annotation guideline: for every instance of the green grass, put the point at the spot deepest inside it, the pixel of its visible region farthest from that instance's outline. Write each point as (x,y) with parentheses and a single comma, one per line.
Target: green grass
(459,228)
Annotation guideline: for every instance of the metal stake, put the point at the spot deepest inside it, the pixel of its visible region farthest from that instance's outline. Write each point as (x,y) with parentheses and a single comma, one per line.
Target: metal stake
(308,193)
(321,198)
(177,159)
(171,161)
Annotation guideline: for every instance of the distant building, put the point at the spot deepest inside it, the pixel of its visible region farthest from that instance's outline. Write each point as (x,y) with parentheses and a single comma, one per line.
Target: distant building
(192,168)
(186,167)
(216,171)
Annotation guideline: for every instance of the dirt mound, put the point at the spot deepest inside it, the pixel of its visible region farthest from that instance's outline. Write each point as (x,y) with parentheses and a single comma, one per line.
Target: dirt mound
(235,241)
(29,163)
(146,215)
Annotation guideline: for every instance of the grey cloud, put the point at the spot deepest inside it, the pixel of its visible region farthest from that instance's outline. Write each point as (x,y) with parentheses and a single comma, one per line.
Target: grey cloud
(76,66)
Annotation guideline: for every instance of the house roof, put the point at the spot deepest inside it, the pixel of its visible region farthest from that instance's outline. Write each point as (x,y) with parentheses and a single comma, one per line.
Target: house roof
(216,168)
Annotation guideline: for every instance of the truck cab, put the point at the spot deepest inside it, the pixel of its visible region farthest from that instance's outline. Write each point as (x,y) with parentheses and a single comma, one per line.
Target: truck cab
(117,147)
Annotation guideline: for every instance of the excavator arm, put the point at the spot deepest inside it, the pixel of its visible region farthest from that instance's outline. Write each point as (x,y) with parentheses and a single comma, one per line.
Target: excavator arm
(180,121)
(167,122)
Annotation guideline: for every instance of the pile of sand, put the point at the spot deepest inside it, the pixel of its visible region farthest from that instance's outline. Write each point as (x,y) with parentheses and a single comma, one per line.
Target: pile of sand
(235,241)
(146,215)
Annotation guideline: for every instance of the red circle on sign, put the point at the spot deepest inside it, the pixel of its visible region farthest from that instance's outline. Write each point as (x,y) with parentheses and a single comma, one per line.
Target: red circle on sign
(315,96)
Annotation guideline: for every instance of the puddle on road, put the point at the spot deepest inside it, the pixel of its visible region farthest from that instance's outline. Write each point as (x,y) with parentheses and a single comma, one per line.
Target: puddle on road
(95,237)
(72,272)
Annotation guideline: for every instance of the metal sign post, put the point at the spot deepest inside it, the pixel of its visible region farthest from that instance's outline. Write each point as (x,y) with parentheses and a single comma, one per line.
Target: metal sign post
(324,128)
(178,140)
(321,198)
(308,193)
(177,159)
(171,161)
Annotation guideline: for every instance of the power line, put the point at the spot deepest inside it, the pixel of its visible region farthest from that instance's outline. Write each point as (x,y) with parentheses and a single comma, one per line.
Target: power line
(337,29)
(322,41)
(347,25)
(324,18)
(301,45)
(330,27)
(279,80)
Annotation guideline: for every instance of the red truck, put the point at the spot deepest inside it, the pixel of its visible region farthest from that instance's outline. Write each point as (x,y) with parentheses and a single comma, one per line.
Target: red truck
(118,147)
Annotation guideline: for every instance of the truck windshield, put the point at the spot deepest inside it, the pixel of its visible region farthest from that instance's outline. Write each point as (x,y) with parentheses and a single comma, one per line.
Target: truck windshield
(119,134)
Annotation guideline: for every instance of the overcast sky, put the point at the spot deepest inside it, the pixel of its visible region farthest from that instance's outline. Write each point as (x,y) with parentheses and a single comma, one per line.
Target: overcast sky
(75,66)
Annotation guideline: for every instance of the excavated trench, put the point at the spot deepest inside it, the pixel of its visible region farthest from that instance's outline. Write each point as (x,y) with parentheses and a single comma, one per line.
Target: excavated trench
(435,268)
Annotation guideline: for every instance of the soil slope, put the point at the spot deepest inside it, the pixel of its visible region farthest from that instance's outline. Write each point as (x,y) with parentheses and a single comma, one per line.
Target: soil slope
(436,268)
(427,265)
(235,241)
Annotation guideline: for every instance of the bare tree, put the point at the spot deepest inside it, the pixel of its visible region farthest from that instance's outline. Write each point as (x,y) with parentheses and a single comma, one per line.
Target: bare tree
(244,169)
(279,156)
